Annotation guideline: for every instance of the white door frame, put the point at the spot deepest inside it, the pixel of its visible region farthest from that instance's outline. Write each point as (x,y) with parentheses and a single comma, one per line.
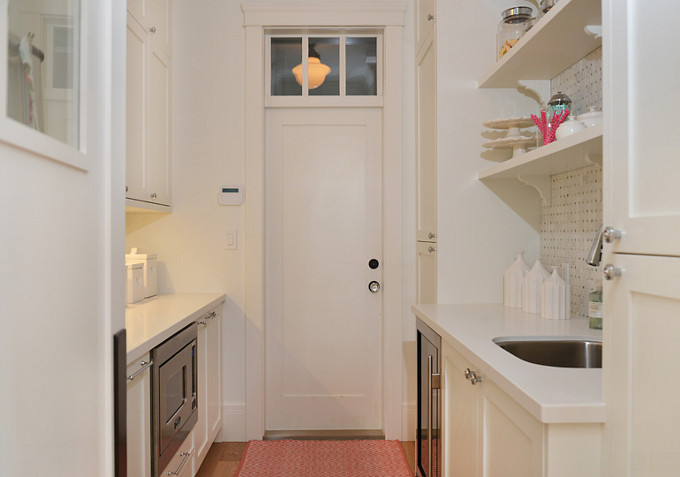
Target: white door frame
(257,18)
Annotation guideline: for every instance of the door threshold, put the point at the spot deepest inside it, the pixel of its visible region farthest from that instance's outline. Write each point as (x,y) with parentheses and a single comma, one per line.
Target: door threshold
(325,435)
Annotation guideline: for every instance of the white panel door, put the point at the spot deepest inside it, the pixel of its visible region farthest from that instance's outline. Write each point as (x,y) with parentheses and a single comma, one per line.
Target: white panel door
(136,85)
(160,183)
(324,344)
(642,367)
(641,134)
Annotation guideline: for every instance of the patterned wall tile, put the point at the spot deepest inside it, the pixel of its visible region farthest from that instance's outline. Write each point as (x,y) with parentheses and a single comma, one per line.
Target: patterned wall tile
(570,222)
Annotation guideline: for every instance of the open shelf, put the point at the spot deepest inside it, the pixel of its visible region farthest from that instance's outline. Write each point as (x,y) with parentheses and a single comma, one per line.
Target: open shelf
(579,150)
(556,42)
(509,179)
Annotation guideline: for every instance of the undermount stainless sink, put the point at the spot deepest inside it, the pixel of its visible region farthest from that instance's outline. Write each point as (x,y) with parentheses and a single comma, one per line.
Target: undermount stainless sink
(559,352)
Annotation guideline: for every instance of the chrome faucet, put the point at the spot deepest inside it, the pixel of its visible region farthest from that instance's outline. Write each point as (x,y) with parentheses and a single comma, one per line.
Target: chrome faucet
(604,234)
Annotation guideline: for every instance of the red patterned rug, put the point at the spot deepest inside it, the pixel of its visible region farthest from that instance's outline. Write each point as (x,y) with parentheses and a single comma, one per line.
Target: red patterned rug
(368,458)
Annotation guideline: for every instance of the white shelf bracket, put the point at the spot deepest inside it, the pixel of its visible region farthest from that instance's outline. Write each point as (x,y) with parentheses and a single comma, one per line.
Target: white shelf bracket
(594,30)
(541,184)
(538,90)
(594,159)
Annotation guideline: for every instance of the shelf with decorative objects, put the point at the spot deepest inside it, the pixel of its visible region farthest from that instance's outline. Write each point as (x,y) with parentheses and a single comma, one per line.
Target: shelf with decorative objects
(534,168)
(564,35)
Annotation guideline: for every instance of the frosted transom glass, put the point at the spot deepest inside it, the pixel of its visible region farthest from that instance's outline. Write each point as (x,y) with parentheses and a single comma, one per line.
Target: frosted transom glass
(286,54)
(361,60)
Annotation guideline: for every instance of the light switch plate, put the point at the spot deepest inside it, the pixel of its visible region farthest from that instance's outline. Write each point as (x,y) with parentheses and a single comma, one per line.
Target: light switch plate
(231,239)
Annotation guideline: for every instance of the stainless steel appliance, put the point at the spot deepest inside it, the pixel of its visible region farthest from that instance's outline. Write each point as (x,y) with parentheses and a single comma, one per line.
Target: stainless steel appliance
(428,442)
(174,400)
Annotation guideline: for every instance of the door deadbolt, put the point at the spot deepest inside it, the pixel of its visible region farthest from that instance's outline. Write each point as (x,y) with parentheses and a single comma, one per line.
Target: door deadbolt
(374,287)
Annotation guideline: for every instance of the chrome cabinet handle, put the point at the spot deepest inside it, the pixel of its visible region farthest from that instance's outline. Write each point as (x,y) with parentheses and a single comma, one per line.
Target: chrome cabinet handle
(430,17)
(610,234)
(374,287)
(430,235)
(431,249)
(468,373)
(610,271)
(207,317)
(184,461)
(153,195)
(145,365)
(152,29)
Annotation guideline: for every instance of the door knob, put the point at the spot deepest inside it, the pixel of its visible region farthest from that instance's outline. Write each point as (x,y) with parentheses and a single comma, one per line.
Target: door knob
(610,271)
(374,287)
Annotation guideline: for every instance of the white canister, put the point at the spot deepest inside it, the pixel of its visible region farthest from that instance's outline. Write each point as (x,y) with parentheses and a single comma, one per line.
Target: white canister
(513,282)
(531,302)
(134,289)
(569,127)
(591,118)
(555,299)
(150,264)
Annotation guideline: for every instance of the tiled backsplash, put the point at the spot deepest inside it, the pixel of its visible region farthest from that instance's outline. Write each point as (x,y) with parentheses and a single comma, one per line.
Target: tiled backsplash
(570,222)
(582,82)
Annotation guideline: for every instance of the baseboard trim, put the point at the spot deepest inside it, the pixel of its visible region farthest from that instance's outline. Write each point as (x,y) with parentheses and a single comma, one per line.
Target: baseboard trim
(233,423)
(408,427)
(325,435)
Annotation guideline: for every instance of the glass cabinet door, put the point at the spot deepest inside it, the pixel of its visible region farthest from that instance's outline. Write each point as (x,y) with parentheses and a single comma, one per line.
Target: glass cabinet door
(43,64)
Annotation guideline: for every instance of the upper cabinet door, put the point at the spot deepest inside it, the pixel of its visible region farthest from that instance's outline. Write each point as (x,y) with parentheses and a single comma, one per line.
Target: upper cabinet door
(160,25)
(426,137)
(642,138)
(425,11)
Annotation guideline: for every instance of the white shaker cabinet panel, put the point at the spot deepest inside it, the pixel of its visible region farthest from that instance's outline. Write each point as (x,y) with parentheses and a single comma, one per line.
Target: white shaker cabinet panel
(425,20)
(642,143)
(136,140)
(642,364)
(426,272)
(426,136)
(209,384)
(139,418)
(459,409)
(149,106)
(159,182)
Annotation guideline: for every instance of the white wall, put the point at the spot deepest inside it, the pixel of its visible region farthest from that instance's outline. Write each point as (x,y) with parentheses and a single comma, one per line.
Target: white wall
(208,150)
(58,304)
(478,233)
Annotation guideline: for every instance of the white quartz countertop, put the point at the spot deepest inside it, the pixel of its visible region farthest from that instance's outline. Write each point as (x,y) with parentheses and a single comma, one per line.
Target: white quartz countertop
(552,395)
(155,319)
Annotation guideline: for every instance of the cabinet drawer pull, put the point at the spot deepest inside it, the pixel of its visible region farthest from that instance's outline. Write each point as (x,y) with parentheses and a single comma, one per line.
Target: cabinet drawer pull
(184,461)
(145,365)
(152,29)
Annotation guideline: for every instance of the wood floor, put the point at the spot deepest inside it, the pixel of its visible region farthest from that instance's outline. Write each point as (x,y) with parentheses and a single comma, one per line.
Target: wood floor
(223,458)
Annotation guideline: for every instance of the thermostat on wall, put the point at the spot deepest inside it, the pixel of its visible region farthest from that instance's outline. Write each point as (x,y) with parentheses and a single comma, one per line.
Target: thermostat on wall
(230,195)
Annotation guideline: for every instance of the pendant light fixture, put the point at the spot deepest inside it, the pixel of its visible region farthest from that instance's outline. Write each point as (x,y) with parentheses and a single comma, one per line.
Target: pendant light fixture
(317,70)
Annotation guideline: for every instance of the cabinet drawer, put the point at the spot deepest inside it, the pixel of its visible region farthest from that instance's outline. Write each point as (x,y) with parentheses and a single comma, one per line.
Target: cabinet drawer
(180,465)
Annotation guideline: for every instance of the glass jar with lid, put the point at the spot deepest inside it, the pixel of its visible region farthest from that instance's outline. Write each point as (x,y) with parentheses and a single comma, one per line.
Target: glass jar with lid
(511,28)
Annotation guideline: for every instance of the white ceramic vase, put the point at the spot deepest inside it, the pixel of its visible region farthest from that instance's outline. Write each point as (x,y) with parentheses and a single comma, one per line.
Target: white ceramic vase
(555,303)
(531,302)
(513,282)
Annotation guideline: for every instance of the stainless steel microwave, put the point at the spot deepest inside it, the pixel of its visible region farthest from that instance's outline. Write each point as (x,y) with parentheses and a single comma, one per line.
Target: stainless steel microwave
(174,398)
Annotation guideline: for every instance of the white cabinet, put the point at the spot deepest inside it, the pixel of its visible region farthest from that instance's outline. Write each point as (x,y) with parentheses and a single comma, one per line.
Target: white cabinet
(426,162)
(641,325)
(641,93)
(209,384)
(426,272)
(139,417)
(148,174)
(487,433)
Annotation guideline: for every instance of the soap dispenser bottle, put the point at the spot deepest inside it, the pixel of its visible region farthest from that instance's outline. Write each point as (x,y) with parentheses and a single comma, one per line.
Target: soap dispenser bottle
(513,282)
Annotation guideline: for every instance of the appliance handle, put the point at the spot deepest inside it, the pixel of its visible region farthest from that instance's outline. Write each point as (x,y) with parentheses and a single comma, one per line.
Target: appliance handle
(429,415)
(145,365)
(184,461)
